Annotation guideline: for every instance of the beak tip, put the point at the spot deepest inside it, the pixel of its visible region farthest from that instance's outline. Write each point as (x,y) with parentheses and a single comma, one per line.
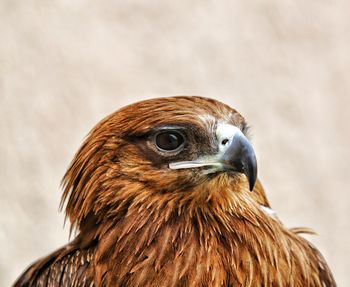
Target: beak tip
(250,170)
(251,185)
(251,180)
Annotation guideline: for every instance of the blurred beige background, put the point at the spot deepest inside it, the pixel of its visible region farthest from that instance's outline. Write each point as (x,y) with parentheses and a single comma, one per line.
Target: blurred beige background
(285,65)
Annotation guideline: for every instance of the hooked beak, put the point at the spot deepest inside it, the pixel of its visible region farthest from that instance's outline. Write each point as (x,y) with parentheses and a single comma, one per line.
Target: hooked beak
(239,156)
(236,154)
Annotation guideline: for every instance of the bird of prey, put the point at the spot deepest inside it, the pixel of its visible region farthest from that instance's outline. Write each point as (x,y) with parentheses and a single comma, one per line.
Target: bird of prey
(164,192)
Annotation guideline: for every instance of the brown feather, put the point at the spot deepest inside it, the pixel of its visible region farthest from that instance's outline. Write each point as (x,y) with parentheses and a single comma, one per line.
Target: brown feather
(142,224)
(61,268)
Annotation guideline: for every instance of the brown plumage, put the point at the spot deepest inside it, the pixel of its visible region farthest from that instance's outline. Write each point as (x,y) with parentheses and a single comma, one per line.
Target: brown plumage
(159,194)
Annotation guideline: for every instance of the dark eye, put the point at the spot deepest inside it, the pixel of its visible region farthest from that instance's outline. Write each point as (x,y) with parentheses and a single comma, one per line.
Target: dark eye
(169,140)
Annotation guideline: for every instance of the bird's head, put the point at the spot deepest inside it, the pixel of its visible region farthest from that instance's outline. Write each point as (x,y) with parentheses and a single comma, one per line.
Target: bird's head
(159,151)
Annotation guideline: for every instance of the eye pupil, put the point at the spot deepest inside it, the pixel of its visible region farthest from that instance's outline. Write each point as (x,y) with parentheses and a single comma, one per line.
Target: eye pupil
(169,140)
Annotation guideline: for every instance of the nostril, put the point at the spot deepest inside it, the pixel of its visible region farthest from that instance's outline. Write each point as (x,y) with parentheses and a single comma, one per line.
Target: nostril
(224,141)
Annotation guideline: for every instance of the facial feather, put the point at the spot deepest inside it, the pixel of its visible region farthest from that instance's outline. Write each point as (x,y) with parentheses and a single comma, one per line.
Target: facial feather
(117,150)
